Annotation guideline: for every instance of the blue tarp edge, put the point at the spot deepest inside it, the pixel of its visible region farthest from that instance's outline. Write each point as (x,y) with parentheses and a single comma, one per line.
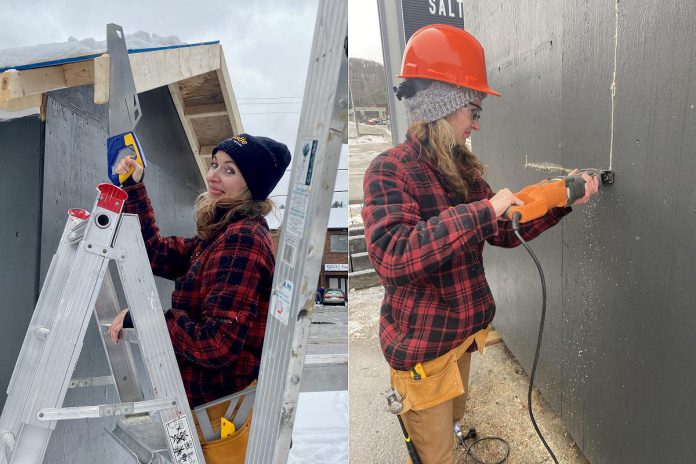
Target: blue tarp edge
(76,59)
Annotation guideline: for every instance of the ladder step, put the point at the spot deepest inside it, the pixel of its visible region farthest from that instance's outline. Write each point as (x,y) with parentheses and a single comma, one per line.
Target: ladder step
(91,382)
(143,437)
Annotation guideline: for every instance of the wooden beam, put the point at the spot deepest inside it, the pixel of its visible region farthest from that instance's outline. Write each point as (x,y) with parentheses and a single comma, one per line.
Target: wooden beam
(163,67)
(44,105)
(10,86)
(101,79)
(204,111)
(188,129)
(210,131)
(23,103)
(228,95)
(18,84)
(207,150)
(76,74)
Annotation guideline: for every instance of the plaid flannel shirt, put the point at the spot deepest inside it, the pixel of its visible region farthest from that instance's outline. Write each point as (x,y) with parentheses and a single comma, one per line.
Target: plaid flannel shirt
(220,300)
(426,246)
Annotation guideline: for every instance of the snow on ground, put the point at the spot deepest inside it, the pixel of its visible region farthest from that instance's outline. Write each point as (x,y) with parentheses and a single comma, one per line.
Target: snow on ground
(320,434)
(73,48)
(371,139)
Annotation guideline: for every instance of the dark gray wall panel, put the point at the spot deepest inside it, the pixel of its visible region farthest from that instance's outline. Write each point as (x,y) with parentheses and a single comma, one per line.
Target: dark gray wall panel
(20,165)
(524,62)
(75,162)
(616,356)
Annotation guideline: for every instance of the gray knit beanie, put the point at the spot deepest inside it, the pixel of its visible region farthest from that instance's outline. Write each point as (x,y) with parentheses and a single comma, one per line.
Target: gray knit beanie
(439,100)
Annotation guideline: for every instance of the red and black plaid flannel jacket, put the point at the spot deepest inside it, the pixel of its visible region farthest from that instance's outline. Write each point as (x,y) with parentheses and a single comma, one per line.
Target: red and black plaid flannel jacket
(220,300)
(426,247)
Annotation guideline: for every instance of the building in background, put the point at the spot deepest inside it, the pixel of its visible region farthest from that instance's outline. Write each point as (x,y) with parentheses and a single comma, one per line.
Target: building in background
(334,265)
(372,114)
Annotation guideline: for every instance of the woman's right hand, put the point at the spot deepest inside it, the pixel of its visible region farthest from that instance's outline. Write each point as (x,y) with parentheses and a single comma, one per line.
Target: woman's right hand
(117,325)
(126,164)
(502,200)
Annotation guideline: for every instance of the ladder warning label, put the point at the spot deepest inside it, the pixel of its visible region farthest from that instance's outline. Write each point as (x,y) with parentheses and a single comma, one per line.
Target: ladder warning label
(297,214)
(181,441)
(289,254)
(280,302)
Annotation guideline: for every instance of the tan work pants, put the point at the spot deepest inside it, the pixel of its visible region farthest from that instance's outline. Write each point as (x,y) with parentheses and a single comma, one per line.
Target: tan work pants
(431,429)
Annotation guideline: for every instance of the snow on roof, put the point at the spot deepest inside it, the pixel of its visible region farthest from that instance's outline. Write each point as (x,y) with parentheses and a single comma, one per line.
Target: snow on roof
(11,58)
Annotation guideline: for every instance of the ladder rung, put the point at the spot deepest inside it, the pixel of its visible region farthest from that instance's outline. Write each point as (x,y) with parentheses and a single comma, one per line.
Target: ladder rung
(91,382)
(105,410)
(143,438)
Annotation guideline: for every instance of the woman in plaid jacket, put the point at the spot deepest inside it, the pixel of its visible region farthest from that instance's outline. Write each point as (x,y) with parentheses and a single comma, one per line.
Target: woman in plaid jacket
(428,212)
(223,275)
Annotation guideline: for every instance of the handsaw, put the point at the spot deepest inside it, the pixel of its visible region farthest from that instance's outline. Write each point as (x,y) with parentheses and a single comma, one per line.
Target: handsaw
(124,106)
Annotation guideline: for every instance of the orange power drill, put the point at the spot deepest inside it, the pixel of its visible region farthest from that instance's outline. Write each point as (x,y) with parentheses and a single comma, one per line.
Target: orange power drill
(552,193)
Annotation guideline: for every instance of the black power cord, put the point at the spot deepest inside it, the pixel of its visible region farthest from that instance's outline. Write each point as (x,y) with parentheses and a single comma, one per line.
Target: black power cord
(516,228)
(477,442)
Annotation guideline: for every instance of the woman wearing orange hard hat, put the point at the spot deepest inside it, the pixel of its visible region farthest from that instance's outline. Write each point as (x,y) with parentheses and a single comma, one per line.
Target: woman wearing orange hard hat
(428,212)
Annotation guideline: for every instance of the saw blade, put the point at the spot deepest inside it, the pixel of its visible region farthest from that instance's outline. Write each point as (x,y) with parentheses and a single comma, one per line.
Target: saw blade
(124,106)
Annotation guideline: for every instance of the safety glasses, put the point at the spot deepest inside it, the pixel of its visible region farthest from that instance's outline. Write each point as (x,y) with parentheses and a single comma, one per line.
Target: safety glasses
(475,112)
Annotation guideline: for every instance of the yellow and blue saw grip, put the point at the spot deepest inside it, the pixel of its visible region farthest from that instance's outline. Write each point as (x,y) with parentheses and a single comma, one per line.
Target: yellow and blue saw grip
(119,147)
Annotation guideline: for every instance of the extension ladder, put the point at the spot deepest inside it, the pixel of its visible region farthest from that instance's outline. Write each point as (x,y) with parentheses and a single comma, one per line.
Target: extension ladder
(322,132)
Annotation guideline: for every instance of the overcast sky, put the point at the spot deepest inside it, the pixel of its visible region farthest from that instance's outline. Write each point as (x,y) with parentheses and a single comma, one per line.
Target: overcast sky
(363,30)
(266,43)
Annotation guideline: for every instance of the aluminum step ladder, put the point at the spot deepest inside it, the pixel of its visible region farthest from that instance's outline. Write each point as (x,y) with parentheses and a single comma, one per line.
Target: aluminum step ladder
(154,422)
(323,130)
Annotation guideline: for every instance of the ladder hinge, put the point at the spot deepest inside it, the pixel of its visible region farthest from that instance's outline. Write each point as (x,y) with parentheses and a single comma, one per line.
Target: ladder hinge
(101,250)
(105,410)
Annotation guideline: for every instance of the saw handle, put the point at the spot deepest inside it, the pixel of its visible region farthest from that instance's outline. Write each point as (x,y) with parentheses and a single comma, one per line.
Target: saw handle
(549,193)
(119,147)
(532,208)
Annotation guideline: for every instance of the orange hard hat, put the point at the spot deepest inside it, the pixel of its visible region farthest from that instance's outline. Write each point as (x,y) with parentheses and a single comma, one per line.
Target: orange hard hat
(446,53)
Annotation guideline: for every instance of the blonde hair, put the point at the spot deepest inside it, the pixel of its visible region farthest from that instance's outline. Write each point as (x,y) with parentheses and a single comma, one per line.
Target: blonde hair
(213,214)
(455,163)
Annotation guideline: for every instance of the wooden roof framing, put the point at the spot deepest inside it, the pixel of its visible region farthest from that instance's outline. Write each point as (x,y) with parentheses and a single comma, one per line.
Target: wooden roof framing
(196,76)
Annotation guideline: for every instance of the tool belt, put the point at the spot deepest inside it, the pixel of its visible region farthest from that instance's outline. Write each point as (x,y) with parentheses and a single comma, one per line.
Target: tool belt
(238,409)
(441,381)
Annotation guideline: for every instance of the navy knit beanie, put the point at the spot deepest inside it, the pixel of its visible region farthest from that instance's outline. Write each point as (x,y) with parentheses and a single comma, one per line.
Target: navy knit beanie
(261,160)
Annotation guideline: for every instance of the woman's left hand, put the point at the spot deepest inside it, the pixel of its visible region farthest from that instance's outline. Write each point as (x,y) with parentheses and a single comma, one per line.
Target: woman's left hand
(591,186)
